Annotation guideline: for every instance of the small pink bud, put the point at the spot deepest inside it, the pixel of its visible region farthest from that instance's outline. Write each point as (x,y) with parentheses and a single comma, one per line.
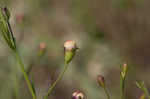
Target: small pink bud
(42,49)
(77,95)
(69,50)
(70,45)
(19,18)
(125,67)
(101,80)
(124,70)
(42,46)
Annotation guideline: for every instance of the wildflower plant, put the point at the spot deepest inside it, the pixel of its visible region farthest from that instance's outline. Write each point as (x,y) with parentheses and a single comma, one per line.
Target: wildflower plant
(6,32)
(70,49)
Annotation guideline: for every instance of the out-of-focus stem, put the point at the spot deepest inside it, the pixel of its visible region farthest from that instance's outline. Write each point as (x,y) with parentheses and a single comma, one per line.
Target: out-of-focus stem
(146,92)
(122,85)
(18,58)
(16,87)
(106,92)
(122,89)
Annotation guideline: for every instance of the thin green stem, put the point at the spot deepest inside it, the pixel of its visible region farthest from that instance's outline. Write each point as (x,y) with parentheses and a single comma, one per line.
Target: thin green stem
(32,91)
(16,87)
(106,92)
(57,80)
(122,83)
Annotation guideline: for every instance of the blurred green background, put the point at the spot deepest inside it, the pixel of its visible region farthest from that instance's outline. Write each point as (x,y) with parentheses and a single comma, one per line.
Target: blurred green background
(108,33)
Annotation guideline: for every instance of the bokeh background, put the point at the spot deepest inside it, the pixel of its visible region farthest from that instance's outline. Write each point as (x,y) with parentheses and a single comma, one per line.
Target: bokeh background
(108,33)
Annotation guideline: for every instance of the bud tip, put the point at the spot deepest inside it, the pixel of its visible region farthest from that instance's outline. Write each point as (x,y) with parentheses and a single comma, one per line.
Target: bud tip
(42,46)
(70,45)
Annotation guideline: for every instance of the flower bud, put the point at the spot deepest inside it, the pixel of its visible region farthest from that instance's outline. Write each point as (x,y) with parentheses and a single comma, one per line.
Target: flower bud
(125,67)
(5,28)
(69,50)
(42,49)
(77,95)
(6,13)
(124,70)
(101,81)
(42,46)
(19,18)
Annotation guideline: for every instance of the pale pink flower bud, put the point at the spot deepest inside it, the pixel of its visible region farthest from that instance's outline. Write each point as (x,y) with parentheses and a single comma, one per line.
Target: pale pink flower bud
(42,49)
(101,80)
(77,95)
(69,50)
(70,45)
(42,46)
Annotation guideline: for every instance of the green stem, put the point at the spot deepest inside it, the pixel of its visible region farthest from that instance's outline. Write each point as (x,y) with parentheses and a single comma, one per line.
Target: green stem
(106,92)
(16,87)
(146,92)
(57,80)
(122,88)
(18,58)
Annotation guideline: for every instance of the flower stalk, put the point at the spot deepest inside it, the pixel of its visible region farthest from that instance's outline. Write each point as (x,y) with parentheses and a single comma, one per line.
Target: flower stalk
(123,74)
(6,32)
(58,79)
(69,51)
(29,84)
(101,82)
(106,92)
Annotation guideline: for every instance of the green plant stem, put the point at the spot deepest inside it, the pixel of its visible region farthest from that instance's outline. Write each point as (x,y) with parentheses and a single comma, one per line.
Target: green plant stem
(146,92)
(122,83)
(18,58)
(16,87)
(57,80)
(106,92)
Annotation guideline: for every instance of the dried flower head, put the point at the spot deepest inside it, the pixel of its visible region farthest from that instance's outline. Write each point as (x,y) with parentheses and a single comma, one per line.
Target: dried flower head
(69,50)
(101,80)
(77,95)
